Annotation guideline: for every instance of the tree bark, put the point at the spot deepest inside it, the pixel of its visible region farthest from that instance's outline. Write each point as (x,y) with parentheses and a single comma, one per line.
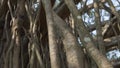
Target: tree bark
(53,48)
(74,53)
(99,28)
(85,38)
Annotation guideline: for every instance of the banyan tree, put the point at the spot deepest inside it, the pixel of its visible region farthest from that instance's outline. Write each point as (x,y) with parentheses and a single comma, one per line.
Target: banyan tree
(59,33)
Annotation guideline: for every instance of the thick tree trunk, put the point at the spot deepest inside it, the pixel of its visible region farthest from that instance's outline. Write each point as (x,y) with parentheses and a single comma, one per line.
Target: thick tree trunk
(53,48)
(85,38)
(33,36)
(74,54)
(17,31)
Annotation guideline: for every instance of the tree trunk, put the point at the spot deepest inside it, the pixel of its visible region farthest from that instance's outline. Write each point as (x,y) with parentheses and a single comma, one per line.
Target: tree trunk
(85,38)
(74,54)
(53,48)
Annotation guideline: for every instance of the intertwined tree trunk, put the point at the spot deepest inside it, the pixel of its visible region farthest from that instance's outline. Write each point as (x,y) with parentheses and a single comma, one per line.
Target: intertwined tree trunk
(37,34)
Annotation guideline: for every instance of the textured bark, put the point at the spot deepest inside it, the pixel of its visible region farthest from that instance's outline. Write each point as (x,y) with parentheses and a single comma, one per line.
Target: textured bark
(74,54)
(86,38)
(17,29)
(53,48)
(44,37)
(99,28)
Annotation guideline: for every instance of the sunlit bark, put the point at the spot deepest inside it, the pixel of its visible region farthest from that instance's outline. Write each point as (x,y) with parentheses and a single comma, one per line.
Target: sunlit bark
(86,38)
(33,34)
(54,55)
